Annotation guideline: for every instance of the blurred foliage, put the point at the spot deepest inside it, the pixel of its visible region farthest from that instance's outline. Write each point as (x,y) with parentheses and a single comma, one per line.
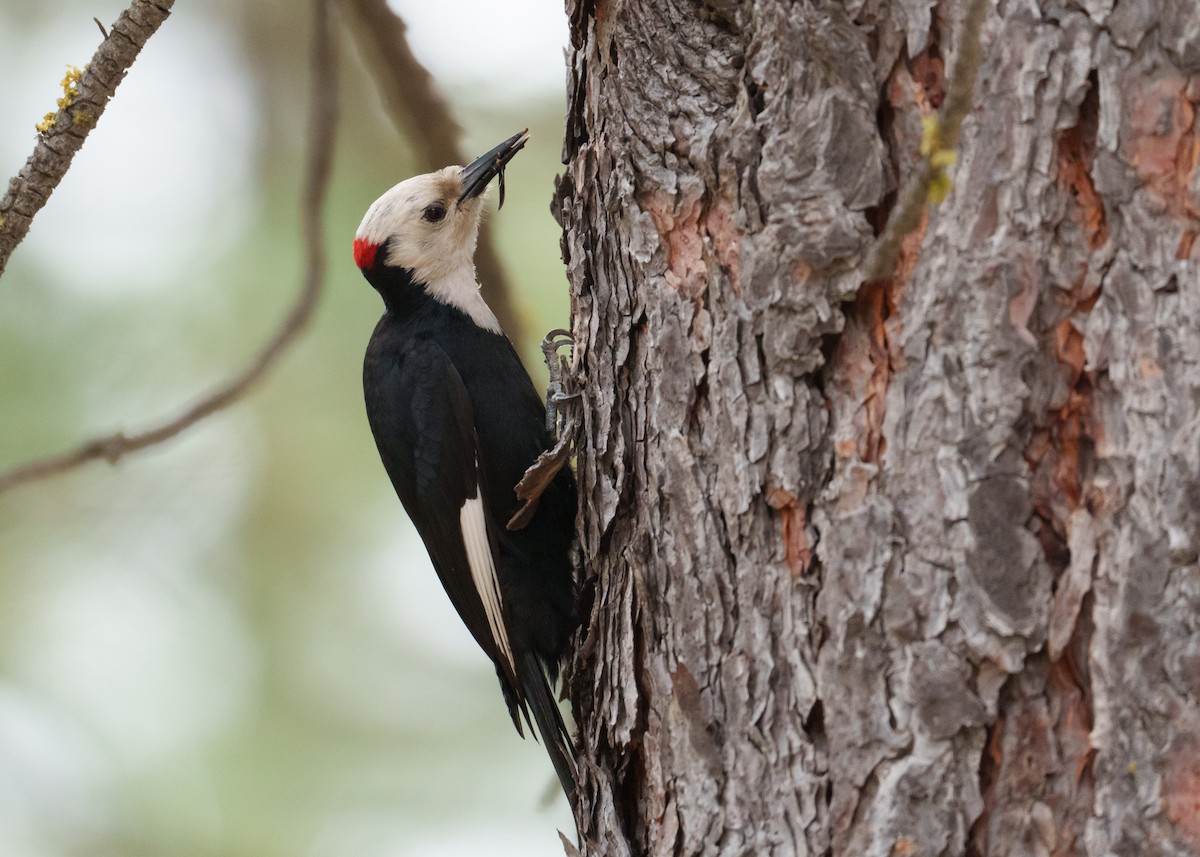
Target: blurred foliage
(234,644)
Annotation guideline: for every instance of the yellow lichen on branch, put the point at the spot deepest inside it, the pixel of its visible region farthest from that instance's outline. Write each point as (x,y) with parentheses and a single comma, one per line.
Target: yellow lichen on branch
(70,90)
(70,87)
(87,91)
(939,156)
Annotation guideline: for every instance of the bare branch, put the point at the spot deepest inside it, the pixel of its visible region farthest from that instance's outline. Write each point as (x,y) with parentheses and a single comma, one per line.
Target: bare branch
(411,97)
(407,88)
(78,114)
(906,216)
(322,120)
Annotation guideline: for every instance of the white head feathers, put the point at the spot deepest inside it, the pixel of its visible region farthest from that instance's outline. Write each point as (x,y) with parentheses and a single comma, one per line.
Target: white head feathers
(427,230)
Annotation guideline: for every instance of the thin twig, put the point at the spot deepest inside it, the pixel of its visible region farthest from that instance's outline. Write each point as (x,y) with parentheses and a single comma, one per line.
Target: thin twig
(322,120)
(421,114)
(906,216)
(65,131)
(407,88)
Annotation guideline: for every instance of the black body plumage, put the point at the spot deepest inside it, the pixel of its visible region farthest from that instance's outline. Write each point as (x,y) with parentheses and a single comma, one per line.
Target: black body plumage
(457,421)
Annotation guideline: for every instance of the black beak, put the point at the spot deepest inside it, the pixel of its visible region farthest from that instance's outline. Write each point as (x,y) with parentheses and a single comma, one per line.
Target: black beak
(477,174)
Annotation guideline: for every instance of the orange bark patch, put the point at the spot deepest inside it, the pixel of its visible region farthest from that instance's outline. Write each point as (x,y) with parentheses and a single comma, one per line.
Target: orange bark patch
(681,236)
(1187,241)
(1058,450)
(1181,789)
(852,375)
(1161,145)
(1058,455)
(866,358)
(1024,302)
(901,89)
(928,71)
(1035,774)
(693,235)
(726,239)
(989,774)
(916,84)
(874,304)
(796,549)
(1075,157)
(1074,418)
(1073,723)
(1071,794)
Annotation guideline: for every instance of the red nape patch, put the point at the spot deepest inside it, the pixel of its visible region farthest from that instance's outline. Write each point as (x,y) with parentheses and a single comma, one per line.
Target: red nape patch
(364,253)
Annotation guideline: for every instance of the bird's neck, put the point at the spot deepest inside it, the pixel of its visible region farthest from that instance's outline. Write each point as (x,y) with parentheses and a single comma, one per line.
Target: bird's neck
(459,288)
(404,293)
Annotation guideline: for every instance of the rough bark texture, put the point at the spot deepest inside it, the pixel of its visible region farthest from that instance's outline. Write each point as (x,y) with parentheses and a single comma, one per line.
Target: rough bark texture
(903,567)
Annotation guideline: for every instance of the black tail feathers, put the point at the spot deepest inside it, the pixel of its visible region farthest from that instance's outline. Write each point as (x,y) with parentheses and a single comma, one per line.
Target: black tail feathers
(539,697)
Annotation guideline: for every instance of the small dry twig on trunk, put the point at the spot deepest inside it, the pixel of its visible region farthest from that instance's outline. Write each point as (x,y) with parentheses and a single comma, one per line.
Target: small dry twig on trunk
(421,114)
(322,121)
(906,216)
(62,134)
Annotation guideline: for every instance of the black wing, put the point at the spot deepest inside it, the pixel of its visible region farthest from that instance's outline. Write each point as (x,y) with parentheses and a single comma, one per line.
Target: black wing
(421,417)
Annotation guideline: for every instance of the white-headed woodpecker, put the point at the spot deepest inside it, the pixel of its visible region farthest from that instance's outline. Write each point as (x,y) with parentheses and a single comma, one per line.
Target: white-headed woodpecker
(457,422)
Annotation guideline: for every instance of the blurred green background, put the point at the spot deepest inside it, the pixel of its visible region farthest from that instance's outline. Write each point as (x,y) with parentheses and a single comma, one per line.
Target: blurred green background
(233,644)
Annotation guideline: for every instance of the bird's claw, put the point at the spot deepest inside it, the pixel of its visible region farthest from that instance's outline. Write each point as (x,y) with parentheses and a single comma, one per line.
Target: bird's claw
(560,376)
(542,472)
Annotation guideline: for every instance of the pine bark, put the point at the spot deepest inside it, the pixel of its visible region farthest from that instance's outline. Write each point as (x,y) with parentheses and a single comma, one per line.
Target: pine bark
(903,567)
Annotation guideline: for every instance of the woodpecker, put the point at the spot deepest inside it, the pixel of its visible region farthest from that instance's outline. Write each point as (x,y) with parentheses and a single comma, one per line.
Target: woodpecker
(457,422)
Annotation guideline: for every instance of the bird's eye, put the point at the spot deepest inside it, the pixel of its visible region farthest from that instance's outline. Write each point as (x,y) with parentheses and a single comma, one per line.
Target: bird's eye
(434,212)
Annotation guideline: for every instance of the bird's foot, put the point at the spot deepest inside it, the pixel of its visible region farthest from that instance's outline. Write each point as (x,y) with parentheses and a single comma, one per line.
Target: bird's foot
(557,391)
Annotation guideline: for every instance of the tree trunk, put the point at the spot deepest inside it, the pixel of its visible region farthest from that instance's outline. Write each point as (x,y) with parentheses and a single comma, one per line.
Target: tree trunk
(904,567)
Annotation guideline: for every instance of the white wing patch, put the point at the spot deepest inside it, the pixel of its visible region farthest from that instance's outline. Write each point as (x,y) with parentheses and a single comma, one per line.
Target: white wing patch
(483,570)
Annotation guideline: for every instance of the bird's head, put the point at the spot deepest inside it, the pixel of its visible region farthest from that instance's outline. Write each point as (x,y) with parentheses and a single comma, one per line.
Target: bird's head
(428,224)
